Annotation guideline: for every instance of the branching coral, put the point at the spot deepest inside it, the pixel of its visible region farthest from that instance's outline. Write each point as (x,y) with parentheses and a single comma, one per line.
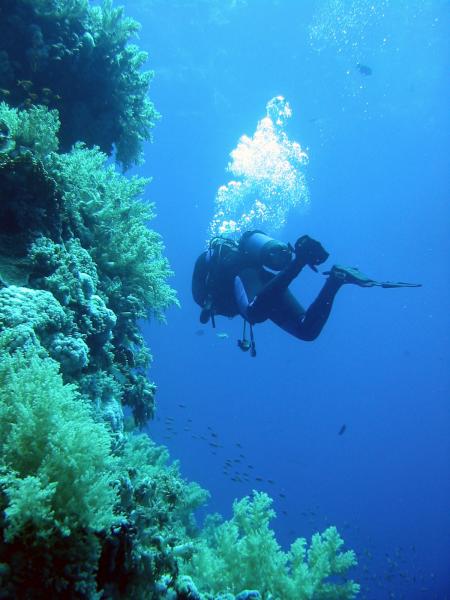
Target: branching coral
(78,268)
(56,476)
(159,505)
(108,215)
(30,208)
(243,553)
(78,229)
(55,53)
(86,510)
(61,490)
(53,448)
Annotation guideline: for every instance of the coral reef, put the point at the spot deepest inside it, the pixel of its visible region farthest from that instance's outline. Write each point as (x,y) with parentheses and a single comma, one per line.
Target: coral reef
(78,230)
(56,486)
(75,513)
(55,53)
(75,278)
(159,506)
(89,507)
(243,553)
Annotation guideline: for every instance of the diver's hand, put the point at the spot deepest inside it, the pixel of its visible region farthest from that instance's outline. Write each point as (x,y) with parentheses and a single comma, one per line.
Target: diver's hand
(310,252)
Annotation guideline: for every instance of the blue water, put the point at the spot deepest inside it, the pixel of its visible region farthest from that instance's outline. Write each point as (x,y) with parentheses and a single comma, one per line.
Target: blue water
(378,180)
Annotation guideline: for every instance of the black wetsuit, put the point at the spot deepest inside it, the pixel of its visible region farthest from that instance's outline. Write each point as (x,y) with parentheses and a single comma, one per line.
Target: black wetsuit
(258,294)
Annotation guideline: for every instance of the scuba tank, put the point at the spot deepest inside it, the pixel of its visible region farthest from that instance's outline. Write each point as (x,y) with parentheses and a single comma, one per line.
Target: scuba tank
(264,251)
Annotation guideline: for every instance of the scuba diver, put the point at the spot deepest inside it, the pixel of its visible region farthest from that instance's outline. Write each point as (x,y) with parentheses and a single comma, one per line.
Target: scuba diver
(251,278)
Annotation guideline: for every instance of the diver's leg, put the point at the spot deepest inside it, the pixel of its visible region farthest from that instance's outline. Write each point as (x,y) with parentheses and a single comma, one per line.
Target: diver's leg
(258,292)
(247,285)
(270,295)
(318,312)
(307,252)
(289,314)
(306,325)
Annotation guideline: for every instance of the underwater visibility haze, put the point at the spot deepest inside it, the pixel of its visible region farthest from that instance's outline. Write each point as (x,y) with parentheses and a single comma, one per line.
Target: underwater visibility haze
(127,425)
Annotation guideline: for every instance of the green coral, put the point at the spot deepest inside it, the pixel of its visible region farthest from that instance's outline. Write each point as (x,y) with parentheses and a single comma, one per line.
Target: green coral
(37,309)
(78,268)
(35,129)
(109,216)
(112,29)
(57,491)
(55,52)
(30,208)
(66,270)
(38,130)
(87,510)
(243,553)
(55,460)
(159,505)
(83,235)
(9,121)
(36,317)
(75,518)
(60,8)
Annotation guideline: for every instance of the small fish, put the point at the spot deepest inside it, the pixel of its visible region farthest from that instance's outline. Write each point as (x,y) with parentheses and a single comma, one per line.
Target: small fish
(182,405)
(4,92)
(364,69)
(342,429)
(222,335)
(200,332)
(26,84)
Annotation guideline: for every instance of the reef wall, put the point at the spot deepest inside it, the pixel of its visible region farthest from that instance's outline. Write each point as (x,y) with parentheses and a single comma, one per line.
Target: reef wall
(89,506)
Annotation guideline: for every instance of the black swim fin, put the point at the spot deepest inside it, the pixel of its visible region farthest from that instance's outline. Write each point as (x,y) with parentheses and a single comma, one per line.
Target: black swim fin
(354,275)
(396,284)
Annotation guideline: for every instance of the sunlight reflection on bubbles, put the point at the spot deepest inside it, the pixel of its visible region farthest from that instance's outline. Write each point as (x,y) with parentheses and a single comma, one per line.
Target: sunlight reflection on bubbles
(268,180)
(350,32)
(345,25)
